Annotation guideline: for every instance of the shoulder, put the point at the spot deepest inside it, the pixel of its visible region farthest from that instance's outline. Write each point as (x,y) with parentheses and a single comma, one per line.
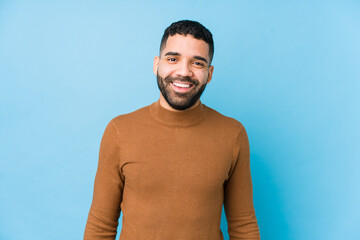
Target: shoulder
(228,129)
(129,119)
(224,122)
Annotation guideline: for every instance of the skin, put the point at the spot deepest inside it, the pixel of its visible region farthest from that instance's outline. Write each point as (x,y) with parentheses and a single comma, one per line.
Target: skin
(183,57)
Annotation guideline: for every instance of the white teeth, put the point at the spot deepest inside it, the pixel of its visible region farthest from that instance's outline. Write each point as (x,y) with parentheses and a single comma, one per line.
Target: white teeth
(183,85)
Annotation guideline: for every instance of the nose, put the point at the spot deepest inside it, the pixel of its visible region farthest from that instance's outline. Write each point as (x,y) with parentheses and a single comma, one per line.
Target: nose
(184,69)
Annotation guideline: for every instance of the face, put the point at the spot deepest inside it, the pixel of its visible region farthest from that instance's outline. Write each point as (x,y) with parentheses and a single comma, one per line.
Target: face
(183,70)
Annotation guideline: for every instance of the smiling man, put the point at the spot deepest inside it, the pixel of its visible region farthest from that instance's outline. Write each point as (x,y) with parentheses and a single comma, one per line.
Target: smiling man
(183,70)
(172,165)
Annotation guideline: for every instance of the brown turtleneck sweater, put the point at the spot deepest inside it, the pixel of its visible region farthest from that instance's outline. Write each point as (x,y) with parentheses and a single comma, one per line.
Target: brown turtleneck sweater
(170,173)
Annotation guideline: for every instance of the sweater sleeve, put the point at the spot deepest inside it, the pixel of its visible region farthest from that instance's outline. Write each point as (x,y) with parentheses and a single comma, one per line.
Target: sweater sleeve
(104,213)
(238,199)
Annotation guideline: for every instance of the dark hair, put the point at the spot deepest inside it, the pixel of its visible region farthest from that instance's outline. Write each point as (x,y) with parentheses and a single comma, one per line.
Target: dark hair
(195,29)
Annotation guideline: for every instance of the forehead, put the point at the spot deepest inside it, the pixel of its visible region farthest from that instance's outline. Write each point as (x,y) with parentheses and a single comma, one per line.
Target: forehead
(186,46)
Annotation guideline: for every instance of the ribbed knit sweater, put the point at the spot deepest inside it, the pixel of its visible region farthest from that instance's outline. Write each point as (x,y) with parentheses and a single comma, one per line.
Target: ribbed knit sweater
(170,174)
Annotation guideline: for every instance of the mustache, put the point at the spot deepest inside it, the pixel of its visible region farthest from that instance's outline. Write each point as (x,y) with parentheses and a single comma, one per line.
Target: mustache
(182,79)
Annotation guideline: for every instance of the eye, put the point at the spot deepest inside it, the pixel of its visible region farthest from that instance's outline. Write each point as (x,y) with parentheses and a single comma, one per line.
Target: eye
(199,64)
(171,59)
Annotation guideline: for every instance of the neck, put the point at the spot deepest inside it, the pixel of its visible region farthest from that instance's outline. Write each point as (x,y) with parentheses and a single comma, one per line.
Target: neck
(185,118)
(166,105)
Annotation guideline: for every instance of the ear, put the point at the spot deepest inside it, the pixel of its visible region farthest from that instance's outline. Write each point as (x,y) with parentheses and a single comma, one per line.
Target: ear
(156,64)
(211,70)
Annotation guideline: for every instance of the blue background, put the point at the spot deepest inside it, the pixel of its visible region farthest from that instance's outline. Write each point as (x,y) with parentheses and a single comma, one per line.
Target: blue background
(288,70)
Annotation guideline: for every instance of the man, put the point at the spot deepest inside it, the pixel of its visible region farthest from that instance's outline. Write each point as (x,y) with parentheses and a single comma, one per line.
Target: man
(170,166)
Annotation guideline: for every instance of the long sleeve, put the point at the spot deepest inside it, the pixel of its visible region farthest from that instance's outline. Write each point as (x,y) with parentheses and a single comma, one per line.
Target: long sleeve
(238,198)
(104,213)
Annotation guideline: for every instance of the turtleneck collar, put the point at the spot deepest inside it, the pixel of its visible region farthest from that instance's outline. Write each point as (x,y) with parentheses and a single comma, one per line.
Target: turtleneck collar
(183,118)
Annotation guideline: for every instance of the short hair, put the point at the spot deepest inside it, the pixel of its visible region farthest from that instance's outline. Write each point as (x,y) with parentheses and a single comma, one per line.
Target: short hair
(195,29)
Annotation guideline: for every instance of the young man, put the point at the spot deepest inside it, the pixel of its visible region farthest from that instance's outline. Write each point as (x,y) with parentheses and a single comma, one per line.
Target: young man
(170,166)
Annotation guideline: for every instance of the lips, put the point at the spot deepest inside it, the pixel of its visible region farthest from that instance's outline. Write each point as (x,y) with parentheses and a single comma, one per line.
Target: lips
(181,87)
(181,84)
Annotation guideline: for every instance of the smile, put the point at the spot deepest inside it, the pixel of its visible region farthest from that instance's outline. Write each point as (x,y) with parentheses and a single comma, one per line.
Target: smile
(181,86)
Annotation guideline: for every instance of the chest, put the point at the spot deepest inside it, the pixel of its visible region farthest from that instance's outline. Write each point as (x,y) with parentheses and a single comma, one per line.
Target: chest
(173,161)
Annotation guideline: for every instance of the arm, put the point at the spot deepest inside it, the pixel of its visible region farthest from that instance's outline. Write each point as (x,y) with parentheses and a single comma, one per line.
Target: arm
(104,213)
(238,199)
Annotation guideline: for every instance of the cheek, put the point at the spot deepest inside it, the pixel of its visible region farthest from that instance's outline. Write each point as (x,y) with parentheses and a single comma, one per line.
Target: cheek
(202,77)
(164,71)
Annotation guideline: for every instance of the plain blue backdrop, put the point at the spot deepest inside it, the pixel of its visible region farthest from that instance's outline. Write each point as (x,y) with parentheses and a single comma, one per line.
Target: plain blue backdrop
(288,70)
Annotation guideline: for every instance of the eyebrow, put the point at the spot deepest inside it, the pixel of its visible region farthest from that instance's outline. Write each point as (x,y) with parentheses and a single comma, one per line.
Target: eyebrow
(200,58)
(172,54)
(178,54)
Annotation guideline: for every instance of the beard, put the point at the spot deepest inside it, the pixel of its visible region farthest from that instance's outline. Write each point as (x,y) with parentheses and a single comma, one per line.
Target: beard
(180,101)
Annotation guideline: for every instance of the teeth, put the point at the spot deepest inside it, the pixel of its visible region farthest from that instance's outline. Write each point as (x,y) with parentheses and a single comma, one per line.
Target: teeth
(183,85)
